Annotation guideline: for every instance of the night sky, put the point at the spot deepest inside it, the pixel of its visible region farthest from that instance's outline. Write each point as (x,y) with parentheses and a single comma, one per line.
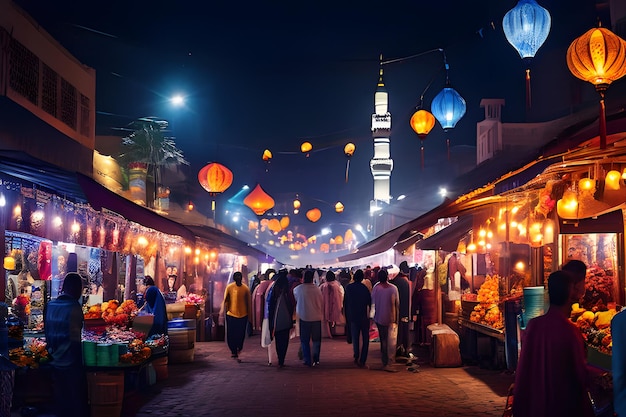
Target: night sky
(272,74)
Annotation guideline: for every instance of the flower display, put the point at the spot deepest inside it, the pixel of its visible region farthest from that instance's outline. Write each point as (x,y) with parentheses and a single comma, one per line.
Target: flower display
(194,299)
(31,355)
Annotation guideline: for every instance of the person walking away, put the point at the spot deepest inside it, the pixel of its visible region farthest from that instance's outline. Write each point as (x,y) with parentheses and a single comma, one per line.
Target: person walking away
(63,325)
(281,310)
(578,270)
(401,281)
(357,303)
(552,372)
(309,307)
(155,305)
(235,308)
(332,295)
(385,303)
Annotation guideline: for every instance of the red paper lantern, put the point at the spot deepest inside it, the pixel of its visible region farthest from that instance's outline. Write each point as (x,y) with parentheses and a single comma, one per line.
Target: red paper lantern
(215,178)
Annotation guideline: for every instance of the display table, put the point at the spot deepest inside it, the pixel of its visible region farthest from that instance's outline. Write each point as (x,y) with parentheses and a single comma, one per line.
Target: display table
(482,344)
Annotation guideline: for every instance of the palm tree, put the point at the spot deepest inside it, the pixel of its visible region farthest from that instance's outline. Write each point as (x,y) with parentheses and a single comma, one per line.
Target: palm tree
(146,150)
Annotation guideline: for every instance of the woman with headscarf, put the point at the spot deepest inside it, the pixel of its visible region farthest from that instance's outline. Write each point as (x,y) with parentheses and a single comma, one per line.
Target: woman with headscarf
(332,295)
(155,305)
(280,312)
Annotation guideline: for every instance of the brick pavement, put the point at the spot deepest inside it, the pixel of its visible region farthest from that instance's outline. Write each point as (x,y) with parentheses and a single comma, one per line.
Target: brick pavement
(216,385)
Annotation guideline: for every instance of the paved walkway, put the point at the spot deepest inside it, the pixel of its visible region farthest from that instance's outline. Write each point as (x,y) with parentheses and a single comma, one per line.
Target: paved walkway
(216,385)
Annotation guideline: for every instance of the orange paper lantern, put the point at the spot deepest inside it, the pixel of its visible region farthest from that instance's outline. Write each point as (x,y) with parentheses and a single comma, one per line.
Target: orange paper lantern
(314,214)
(306,148)
(258,201)
(274,225)
(215,178)
(422,122)
(267,155)
(284,222)
(339,207)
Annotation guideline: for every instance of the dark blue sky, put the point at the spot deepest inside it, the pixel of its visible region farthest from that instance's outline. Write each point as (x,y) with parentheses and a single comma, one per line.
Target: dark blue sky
(272,74)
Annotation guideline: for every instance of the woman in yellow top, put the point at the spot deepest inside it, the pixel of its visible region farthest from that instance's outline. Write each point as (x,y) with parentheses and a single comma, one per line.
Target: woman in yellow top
(236,308)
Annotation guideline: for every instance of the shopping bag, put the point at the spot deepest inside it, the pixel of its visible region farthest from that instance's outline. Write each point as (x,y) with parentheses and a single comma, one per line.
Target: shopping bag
(392,339)
(266,337)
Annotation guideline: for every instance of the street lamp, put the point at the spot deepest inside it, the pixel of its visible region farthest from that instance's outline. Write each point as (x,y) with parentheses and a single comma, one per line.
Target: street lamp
(599,57)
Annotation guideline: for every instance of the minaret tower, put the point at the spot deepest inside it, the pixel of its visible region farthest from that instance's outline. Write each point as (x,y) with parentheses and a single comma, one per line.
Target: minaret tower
(381,164)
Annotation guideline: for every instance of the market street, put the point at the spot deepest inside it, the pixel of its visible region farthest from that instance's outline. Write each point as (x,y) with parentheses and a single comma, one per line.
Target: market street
(216,385)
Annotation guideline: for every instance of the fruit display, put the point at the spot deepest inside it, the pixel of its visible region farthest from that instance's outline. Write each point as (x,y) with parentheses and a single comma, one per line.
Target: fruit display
(31,355)
(594,326)
(137,352)
(487,311)
(112,312)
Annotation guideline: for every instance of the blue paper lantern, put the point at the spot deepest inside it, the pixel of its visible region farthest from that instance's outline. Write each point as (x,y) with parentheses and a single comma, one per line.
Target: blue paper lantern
(448,107)
(526,27)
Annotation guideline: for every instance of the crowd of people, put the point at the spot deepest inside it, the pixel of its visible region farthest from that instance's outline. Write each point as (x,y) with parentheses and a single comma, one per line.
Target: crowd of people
(311,304)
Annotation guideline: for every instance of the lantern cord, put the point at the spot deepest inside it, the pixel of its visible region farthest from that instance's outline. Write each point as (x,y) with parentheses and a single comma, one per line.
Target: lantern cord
(347,169)
(528,97)
(406,58)
(422,153)
(448,147)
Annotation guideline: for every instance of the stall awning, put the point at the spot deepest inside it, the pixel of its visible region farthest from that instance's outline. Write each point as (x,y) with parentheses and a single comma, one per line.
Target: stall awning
(388,240)
(447,239)
(221,239)
(100,197)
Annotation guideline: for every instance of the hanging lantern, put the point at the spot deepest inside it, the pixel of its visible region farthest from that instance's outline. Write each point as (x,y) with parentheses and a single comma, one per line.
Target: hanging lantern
(314,214)
(284,222)
(306,148)
(296,206)
(324,248)
(258,201)
(274,225)
(348,236)
(215,178)
(612,180)
(422,123)
(526,27)
(339,207)
(190,206)
(338,240)
(599,57)
(448,107)
(348,150)
(567,207)
(267,156)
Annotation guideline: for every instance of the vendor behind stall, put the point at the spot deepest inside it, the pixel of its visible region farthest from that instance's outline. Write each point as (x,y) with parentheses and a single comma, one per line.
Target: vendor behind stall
(155,304)
(63,328)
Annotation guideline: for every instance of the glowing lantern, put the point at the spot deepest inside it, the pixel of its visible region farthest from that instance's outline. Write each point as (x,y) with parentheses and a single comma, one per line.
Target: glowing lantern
(296,206)
(252,225)
(314,214)
(306,148)
(587,184)
(448,107)
(258,201)
(611,182)
(348,236)
(339,207)
(215,178)
(274,225)
(567,207)
(348,150)
(284,222)
(9,263)
(324,248)
(267,155)
(599,57)
(526,27)
(422,123)
(338,240)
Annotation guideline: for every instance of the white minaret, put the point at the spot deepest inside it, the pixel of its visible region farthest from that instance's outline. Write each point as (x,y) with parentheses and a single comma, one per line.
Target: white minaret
(381,164)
